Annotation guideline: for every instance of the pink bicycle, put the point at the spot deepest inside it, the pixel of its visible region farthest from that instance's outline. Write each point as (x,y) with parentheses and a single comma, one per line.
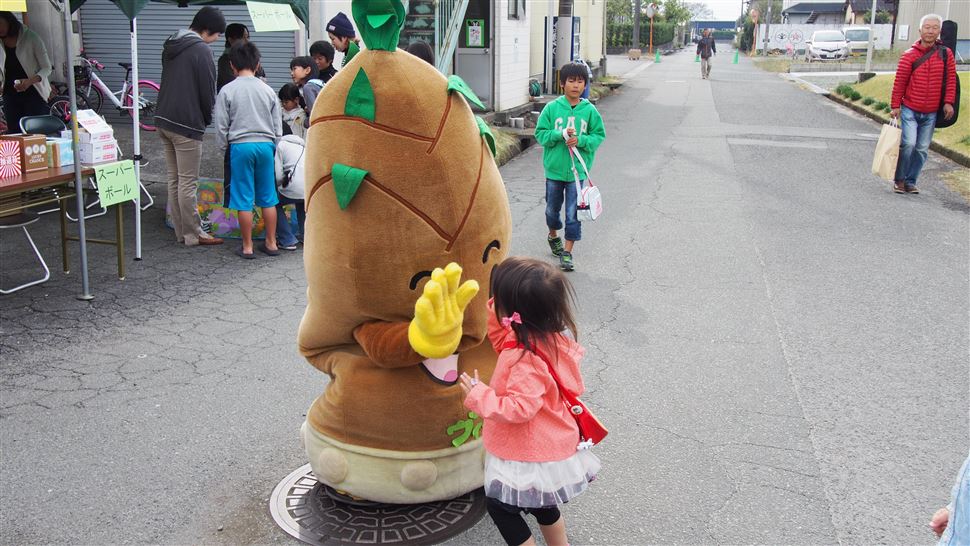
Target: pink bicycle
(91,92)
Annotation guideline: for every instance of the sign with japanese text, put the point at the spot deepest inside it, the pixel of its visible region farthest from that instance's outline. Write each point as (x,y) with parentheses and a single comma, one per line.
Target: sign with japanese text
(272,17)
(13,5)
(116,182)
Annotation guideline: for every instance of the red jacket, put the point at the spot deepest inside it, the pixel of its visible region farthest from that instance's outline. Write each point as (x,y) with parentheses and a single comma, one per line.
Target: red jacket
(920,90)
(525,417)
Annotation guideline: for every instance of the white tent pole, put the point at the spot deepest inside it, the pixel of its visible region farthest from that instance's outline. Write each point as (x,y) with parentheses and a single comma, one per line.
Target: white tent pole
(72,92)
(136,133)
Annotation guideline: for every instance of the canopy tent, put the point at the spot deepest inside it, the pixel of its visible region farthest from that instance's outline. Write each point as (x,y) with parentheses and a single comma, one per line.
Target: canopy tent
(131,8)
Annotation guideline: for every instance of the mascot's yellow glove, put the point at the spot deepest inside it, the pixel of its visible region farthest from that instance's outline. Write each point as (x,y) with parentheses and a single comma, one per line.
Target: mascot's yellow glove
(438,314)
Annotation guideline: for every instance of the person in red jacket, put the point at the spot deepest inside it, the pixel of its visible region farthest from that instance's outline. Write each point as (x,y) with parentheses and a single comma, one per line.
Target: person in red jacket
(916,99)
(534,460)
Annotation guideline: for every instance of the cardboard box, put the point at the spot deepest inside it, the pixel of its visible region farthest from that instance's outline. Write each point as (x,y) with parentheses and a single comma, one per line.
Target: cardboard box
(9,158)
(98,152)
(33,151)
(59,152)
(83,135)
(92,128)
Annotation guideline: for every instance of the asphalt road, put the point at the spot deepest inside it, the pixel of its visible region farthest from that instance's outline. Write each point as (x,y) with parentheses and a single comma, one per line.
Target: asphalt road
(778,343)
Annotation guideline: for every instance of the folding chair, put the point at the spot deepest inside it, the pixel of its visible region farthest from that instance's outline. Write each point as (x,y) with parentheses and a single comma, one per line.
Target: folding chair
(22,220)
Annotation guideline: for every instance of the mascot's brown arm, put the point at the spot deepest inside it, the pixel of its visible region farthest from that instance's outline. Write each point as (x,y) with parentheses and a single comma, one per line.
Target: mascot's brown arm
(386,343)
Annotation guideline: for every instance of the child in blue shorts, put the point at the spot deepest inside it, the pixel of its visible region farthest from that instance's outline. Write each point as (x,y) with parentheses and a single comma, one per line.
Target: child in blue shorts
(249,122)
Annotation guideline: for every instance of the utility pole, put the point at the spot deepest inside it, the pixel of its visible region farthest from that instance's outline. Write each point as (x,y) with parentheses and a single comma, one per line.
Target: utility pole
(636,24)
(872,31)
(768,28)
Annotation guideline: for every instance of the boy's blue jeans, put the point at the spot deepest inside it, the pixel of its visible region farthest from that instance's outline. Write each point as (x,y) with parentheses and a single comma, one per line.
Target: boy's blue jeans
(558,192)
(284,230)
(917,133)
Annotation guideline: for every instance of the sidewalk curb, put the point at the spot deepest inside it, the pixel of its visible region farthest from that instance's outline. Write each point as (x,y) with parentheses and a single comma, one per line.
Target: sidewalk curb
(948,153)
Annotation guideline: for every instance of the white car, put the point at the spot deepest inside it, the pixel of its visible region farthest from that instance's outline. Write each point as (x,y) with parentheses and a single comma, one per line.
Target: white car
(827,45)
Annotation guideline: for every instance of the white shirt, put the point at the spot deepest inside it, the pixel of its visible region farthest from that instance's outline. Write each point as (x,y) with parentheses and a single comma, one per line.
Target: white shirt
(290,158)
(33,57)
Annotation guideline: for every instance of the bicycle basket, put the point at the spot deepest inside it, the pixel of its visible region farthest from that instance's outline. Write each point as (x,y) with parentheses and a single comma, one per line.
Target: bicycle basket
(82,72)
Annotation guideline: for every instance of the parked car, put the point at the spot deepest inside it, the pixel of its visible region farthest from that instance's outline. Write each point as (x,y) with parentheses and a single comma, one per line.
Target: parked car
(858,39)
(826,45)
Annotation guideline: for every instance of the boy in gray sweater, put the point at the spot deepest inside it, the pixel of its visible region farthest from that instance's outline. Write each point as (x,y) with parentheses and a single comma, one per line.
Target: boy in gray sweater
(250,123)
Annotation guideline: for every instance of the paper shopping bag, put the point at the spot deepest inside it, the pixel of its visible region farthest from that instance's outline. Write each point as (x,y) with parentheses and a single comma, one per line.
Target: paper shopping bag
(887,151)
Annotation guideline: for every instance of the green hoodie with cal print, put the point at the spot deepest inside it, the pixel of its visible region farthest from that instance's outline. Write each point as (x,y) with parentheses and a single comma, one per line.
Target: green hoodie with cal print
(559,115)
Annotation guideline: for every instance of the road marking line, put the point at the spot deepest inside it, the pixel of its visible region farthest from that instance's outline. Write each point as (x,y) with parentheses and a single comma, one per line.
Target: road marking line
(633,73)
(777,144)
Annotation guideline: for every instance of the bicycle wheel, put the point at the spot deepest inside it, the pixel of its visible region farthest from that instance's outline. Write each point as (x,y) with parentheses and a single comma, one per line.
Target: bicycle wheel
(147,100)
(60,106)
(91,98)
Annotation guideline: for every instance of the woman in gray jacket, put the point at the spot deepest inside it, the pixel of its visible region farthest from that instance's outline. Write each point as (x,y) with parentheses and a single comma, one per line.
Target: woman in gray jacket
(26,70)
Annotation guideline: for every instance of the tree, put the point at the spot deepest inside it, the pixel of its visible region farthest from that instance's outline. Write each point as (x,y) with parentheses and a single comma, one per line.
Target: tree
(675,11)
(619,11)
(883,17)
(762,7)
(699,11)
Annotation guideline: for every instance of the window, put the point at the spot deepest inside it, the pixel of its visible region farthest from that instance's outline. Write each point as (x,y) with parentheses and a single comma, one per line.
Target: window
(516,9)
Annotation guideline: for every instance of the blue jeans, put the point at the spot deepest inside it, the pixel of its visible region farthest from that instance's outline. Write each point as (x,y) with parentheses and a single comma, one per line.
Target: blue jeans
(284,231)
(917,133)
(558,191)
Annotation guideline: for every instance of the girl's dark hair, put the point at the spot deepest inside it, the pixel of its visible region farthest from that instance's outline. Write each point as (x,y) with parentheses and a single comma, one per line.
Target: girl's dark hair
(235,31)
(421,50)
(304,62)
(573,70)
(12,21)
(244,56)
(539,293)
(289,92)
(209,19)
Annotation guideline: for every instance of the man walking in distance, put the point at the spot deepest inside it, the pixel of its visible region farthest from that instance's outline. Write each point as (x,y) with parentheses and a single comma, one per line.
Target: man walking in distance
(916,99)
(185,102)
(706,49)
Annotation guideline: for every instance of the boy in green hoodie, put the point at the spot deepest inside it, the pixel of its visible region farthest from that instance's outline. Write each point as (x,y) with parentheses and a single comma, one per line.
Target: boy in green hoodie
(584,131)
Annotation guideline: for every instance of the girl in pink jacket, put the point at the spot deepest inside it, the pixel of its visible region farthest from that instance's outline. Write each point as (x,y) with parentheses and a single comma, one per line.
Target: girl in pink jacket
(532,461)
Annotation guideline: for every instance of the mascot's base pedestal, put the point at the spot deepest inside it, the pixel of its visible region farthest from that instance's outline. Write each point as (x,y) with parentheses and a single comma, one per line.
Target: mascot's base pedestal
(394,477)
(305,510)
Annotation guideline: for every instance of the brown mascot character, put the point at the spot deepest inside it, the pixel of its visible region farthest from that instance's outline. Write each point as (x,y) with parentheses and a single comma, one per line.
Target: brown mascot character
(402,188)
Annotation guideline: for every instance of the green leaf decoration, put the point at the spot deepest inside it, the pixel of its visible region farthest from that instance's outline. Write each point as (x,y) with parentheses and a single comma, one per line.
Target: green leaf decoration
(486,132)
(379,22)
(346,182)
(360,98)
(455,83)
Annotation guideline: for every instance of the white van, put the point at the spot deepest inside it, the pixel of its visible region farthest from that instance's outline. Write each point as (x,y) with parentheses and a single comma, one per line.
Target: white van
(858,38)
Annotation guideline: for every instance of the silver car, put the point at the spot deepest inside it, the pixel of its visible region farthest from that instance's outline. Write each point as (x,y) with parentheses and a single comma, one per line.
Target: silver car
(827,45)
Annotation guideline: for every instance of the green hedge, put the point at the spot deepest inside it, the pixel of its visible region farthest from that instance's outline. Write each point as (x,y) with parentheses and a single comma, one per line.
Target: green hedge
(620,34)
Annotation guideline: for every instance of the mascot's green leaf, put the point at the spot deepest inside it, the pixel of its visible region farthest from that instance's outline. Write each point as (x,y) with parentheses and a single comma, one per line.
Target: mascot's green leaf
(360,98)
(379,22)
(346,182)
(455,83)
(486,133)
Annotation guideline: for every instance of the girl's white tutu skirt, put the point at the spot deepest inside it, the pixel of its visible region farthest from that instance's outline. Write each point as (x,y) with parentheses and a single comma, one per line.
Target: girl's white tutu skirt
(534,485)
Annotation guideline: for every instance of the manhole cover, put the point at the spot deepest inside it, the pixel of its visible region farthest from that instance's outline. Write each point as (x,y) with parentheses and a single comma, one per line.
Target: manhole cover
(304,509)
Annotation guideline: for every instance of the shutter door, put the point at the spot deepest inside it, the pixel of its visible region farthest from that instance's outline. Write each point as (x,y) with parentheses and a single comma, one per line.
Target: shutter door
(105,37)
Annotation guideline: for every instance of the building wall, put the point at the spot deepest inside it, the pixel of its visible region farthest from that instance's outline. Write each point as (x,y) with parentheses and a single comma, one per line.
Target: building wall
(48,23)
(593,14)
(911,11)
(511,49)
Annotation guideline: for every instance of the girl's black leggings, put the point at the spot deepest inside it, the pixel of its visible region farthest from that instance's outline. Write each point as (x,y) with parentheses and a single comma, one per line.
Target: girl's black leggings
(510,523)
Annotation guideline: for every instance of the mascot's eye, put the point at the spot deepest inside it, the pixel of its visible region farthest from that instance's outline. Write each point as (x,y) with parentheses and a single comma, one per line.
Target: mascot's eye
(417,278)
(494,244)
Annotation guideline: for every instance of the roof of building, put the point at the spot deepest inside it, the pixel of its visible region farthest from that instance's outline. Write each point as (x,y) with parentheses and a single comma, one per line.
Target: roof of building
(860,6)
(817,7)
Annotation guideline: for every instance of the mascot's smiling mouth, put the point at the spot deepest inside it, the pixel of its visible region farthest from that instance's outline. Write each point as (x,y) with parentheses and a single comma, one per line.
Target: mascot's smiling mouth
(442,370)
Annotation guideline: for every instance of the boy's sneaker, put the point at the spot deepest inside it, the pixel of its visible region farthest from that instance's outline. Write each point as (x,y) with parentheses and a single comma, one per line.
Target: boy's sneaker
(566,261)
(555,243)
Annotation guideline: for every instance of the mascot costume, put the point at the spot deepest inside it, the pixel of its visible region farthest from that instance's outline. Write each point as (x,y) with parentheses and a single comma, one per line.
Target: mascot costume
(406,217)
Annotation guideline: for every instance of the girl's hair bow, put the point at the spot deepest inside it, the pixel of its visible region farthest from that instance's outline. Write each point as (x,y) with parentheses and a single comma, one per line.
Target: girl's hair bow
(507,321)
